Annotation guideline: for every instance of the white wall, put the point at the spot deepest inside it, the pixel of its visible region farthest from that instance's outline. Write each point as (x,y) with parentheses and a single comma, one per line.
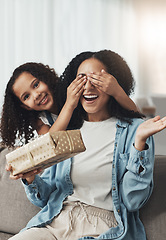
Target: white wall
(54,31)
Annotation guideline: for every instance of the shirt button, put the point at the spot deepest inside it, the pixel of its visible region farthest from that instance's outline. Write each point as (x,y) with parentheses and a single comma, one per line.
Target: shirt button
(141,158)
(118,210)
(114,188)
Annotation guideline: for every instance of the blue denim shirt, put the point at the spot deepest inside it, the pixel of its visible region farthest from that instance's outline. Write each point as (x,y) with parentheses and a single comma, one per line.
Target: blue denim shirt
(130,189)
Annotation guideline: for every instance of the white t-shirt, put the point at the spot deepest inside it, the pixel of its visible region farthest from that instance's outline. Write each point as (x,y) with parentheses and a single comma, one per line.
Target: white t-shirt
(91,171)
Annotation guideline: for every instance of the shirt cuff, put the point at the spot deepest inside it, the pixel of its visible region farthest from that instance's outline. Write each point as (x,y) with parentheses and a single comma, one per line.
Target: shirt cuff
(34,186)
(137,159)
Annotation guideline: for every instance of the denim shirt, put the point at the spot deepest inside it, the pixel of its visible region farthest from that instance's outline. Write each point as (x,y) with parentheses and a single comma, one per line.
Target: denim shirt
(130,188)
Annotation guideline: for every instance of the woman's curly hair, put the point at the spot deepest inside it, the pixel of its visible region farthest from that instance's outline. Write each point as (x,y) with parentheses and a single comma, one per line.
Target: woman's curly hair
(16,121)
(116,66)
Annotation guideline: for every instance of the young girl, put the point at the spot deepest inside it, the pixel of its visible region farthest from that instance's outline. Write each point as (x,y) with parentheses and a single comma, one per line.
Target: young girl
(31,94)
(98,193)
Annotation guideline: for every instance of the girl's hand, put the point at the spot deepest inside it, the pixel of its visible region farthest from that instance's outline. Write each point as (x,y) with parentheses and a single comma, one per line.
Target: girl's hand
(75,90)
(105,82)
(29,176)
(108,84)
(147,129)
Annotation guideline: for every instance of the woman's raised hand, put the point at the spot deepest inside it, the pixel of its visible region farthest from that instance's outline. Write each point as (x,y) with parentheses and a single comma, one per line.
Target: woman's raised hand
(147,129)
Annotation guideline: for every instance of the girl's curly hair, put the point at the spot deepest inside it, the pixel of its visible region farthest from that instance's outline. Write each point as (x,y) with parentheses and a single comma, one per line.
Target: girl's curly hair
(116,66)
(16,121)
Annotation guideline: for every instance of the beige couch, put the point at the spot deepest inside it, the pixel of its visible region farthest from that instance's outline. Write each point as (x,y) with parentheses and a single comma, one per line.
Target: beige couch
(16,210)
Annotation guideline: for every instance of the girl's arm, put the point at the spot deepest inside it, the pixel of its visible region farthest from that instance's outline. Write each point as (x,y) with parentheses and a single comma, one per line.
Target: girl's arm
(74,92)
(108,84)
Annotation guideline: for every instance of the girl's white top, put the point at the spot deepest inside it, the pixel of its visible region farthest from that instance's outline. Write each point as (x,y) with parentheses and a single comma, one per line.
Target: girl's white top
(42,116)
(91,171)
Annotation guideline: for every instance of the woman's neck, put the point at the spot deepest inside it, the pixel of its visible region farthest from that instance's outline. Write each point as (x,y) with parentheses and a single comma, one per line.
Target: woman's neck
(97,117)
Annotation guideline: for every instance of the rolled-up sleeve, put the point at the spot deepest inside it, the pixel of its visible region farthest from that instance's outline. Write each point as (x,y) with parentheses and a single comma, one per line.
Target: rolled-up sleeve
(136,186)
(38,192)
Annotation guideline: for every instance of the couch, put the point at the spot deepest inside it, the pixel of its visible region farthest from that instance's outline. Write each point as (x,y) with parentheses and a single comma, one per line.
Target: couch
(16,210)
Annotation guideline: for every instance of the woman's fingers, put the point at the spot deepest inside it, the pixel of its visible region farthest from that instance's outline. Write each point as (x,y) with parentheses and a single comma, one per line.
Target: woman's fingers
(18,176)
(29,174)
(8,167)
(162,123)
(156,118)
(151,127)
(25,175)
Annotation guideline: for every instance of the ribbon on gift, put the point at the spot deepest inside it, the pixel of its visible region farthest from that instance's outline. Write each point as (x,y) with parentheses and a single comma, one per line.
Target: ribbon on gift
(71,145)
(29,155)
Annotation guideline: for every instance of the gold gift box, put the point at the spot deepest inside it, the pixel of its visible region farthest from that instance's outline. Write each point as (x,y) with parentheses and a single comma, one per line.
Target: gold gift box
(45,151)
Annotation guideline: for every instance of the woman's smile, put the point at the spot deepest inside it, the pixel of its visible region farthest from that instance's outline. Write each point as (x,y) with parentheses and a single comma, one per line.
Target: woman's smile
(90,98)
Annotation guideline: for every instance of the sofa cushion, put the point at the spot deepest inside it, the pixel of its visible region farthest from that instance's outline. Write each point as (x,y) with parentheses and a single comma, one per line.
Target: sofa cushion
(15,209)
(5,236)
(153,214)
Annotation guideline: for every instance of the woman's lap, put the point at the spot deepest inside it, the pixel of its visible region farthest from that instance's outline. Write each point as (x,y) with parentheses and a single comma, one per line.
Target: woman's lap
(76,220)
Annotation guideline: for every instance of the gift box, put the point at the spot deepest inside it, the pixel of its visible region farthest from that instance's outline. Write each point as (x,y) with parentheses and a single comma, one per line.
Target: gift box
(45,151)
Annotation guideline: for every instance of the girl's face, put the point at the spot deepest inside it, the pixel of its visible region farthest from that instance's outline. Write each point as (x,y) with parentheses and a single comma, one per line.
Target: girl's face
(93,100)
(33,93)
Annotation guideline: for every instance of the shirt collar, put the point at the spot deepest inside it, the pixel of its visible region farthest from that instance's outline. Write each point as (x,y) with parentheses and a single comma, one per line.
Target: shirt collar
(122,124)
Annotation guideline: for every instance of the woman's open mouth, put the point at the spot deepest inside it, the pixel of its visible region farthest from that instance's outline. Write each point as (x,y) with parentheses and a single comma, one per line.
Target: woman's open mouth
(90,97)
